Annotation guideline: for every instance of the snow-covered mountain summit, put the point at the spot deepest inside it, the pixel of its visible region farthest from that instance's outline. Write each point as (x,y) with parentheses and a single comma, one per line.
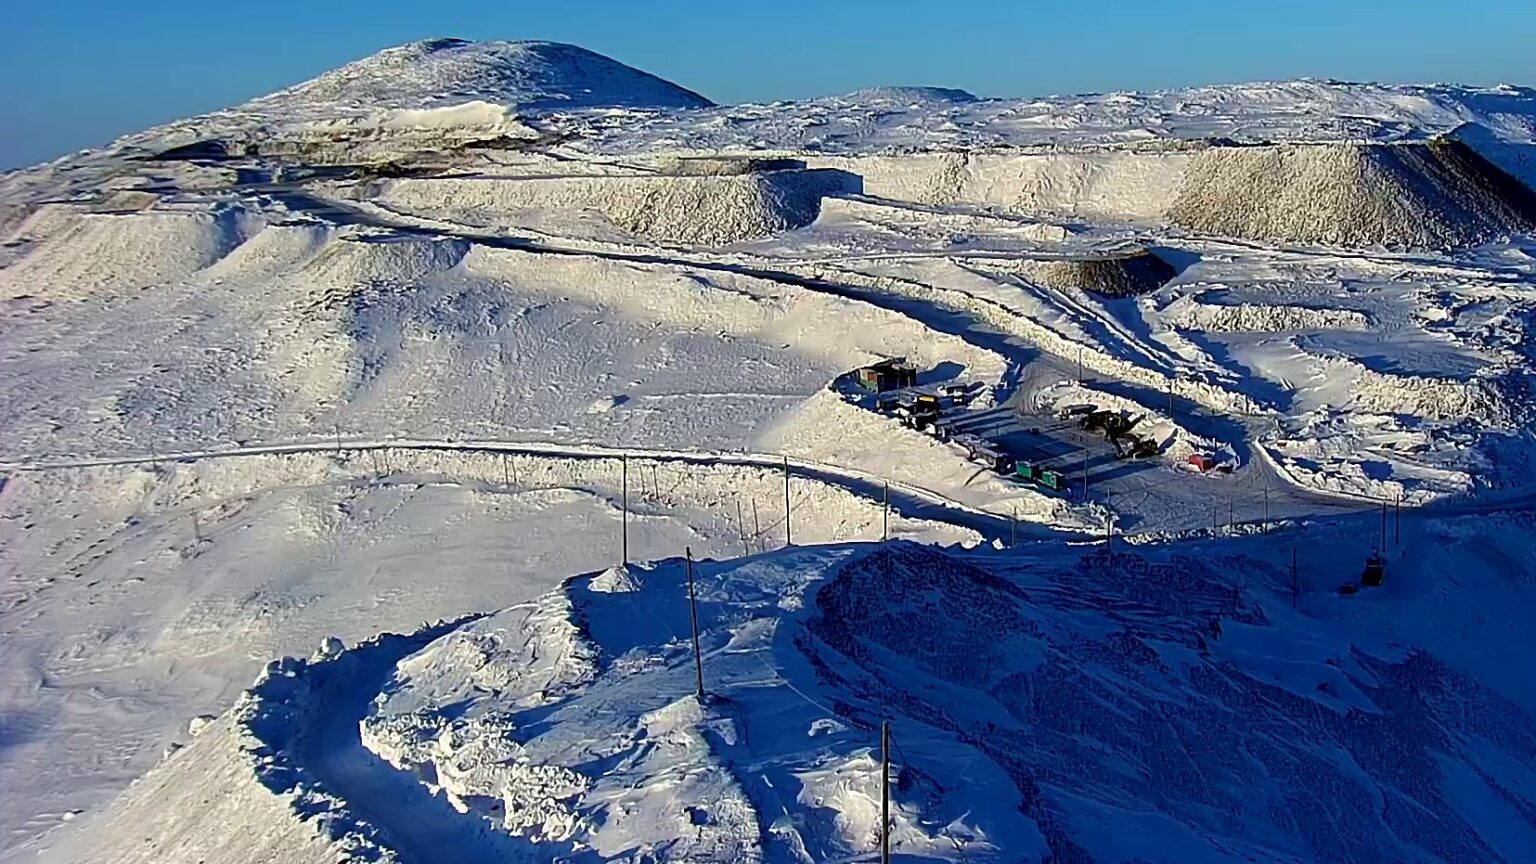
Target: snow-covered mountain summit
(525,74)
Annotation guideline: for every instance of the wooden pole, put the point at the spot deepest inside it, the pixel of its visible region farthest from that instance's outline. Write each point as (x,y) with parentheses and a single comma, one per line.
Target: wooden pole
(1383,546)
(1013,528)
(757,527)
(624,471)
(1397,520)
(741,528)
(885,528)
(788,538)
(1109,521)
(1266,508)
(693,617)
(338,437)
(885,792)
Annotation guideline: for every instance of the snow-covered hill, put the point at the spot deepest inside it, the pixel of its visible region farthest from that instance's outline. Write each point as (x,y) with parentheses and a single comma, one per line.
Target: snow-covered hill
(420,339)
(527,76)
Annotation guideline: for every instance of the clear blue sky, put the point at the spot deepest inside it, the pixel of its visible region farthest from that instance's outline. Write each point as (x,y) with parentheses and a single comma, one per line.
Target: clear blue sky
(76,74)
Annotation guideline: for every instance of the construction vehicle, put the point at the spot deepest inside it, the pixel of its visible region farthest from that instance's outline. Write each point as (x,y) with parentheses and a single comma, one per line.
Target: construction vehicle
(918,411)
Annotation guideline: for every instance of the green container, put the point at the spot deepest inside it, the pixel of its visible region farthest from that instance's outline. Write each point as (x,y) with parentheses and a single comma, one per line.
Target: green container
(1051,480)
(1026,472)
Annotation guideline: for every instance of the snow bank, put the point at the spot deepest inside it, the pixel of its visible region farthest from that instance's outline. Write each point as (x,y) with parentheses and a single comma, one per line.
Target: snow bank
(361,259)
(1411,196)
(273,251)
(1108,184)
(1480,400)
(1189,313)
(101,252)
(712,210)
(1375,457)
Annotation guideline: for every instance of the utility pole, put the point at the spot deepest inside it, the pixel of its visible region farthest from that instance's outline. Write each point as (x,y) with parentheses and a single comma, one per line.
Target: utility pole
(1230,508)
(741,527)
(624,497)
(197,530)
(788,538)
(338,437)
(1397,520)
(1295,581)
(757,527)
(1266,507)
(885,527)
(1085,475)
(1013,528)
(1383,546)
(693,617)
(885,792)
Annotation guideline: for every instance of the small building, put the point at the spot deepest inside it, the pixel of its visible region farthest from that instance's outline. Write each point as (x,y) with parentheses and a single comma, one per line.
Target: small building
(1201,462)
(892,374)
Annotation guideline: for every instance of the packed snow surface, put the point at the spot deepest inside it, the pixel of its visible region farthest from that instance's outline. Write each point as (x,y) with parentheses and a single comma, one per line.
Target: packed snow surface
(426,338)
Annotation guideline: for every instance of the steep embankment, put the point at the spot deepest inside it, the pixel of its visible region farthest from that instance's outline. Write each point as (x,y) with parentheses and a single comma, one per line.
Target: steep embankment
(1411,196)
(704,209)
(1419,195)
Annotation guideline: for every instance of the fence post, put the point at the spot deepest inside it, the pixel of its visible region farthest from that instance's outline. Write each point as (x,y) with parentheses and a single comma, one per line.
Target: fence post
(693,618)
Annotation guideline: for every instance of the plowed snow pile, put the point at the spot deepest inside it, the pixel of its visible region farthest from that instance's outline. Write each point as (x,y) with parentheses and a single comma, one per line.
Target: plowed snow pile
(1406,196)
